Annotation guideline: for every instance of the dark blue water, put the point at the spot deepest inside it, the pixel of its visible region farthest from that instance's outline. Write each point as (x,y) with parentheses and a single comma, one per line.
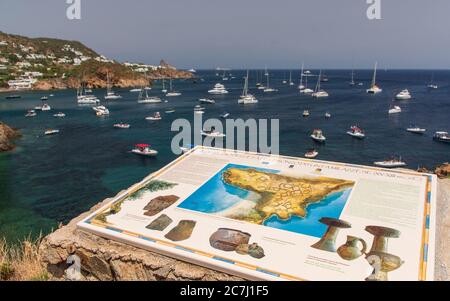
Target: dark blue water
(47,180)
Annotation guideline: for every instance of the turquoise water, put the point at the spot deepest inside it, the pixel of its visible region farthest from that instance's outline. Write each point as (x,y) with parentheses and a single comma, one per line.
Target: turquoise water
(48,180)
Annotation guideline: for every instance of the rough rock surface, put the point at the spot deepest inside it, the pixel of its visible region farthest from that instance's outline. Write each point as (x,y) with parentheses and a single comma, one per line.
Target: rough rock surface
(443,171)
(6,135)
(104,259)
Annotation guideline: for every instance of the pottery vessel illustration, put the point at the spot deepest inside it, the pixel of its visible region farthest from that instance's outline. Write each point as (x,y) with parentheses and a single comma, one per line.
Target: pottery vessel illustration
(328,240)
(350,250)
(383,263)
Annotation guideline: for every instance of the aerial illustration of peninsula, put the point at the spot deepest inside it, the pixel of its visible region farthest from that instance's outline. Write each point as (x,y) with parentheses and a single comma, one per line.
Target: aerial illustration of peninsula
(266,197)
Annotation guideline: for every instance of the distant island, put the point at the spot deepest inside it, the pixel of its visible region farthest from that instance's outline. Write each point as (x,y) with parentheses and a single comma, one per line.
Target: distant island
(281,195)
(46,64)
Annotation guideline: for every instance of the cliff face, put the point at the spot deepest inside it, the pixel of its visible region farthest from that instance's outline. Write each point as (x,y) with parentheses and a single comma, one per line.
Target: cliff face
(7,134)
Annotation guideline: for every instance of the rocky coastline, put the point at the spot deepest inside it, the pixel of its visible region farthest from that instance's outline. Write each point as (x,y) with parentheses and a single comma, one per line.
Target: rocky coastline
(7,134)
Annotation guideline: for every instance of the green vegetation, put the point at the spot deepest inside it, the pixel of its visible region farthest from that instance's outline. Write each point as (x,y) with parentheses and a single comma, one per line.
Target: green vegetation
(154,185)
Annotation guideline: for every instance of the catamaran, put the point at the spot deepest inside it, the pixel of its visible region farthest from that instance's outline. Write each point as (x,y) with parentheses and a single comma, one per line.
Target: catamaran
(374,89)
(110,94)
(172,93)
(318,93)
(247,98)
(84,98)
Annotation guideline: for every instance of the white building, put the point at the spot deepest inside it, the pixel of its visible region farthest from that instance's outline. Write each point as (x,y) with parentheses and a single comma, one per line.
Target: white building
(33,74)
(3,43)
(21,83)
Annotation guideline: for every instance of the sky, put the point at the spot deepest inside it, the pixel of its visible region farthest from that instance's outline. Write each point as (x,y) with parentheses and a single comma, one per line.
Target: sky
(203,34)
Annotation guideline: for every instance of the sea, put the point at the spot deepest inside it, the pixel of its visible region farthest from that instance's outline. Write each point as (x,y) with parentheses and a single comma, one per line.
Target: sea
(48,180)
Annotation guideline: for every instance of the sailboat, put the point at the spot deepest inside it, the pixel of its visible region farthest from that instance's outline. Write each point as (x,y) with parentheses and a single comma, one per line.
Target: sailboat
(266,73)
(145,98)
(284,78)
(268,89)
(305,89)
(164,90)
(352,81)
(301,86)
(110,94)
(318,93)
(172,93)
(247,98)
(83,97)
(224,77)
(261,86)
(291,83)
(432,85)
(374,89)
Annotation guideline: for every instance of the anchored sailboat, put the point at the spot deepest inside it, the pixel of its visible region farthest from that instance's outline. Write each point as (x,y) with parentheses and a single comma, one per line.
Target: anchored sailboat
(374,89)
(318,93)
(247,98)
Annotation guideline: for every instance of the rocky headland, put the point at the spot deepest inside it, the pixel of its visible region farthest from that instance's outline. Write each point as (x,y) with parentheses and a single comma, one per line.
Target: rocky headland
(7,134)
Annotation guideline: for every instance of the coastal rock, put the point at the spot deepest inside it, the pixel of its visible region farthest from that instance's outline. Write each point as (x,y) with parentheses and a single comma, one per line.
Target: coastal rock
(160,203)
(182,231)
(7,134)
(443,171)
(160,223)
(228,239)
(110,260)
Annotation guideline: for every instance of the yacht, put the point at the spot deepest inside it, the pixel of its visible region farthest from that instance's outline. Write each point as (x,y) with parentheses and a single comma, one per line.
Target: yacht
(59,115)
(267,89)
(306,113)
(171,92)
(155,117)
(46,107)
(110,94)
(416,130)
(311,154)
(218,89)
(31,113)
(145,98)
(121,125)
(356,132)
(374,89)
(101,111)
(318,136)
(442,137)
(83,96)
(403,95)
(51,132)
(247,98)
(212,133)
(207,101)
(395,110)
(391,163)
(144,150)
(318,93)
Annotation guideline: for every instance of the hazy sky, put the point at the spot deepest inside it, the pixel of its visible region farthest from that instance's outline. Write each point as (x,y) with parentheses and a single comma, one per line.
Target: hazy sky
(246,33)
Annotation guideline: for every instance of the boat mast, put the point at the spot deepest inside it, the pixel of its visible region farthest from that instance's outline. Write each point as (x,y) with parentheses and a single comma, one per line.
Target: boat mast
(374,79)
(290,76)
(301,75)
(245,92)
(318,81)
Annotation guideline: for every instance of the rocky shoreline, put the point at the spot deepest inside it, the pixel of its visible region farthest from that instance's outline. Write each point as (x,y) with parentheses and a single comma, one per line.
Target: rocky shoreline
(7,134)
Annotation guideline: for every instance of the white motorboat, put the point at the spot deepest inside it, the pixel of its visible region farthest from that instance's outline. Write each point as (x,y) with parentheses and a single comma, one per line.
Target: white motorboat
(212,134)
(318,136)
(416,130)
(59,115)
(442,137)
(101,111)
(172,93)
(356,132)
(391,163)
(207,101)
(403,95)
(169,111)
(44,98)
(218,89)
(31,113)
(135,90)
(144,150)
(46,107)
(374,89)
(319,93)
(311,154)
(395,110)
(224,115)
(247,98)
(110,94)
(51,132)
(327,115)
(306,113)
(155,117)
(121,125)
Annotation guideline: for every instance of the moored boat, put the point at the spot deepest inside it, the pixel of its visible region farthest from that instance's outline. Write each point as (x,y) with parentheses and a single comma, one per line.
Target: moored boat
(144,150)
(442,137)
(311,154)
(416,130)
(356,132)
(403,95)
(59,115)
(155,117)
(31,113)
(51,132)
(121,125)
(318,136)
(391,163)
(395,110)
